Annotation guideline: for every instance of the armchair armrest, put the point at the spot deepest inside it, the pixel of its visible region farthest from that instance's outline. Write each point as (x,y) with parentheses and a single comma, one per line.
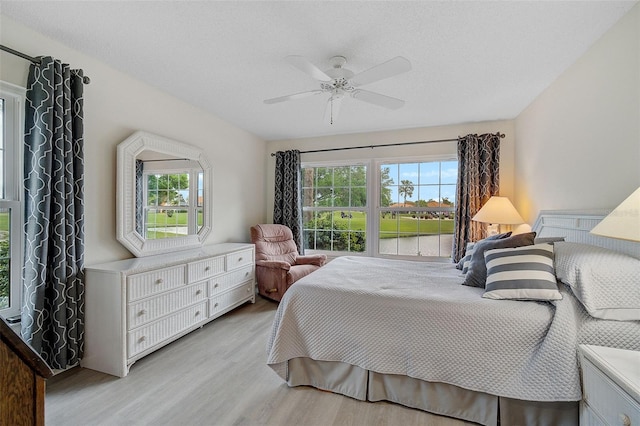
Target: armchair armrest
(273,264)
(311,259)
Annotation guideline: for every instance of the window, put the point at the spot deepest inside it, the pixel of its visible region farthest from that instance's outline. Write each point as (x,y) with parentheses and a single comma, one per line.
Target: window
(173,199)
(334,205)
(412,214)
(11,229)
(416,208)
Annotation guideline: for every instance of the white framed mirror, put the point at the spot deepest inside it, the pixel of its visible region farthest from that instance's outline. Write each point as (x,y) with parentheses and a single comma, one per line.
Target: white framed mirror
(164,198)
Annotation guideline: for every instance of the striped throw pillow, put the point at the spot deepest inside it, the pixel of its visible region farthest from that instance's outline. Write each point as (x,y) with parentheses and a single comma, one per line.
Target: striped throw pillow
(467,258)
(522,273)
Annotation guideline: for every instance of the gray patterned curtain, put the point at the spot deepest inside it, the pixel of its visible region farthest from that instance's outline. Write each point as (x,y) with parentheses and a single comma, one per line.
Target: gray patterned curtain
(140,198)
(287,203)
(478,180)
(53,301)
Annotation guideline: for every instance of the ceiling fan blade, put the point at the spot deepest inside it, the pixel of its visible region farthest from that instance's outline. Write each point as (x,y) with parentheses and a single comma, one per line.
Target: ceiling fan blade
(292,97)
(332,110)
(377,99)
(392,67)
(304,65)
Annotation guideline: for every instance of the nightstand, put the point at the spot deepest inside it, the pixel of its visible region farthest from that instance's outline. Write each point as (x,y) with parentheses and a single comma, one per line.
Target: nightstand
(611,386)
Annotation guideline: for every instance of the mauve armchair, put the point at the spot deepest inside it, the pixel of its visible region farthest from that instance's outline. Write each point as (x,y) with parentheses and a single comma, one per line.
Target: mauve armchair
(278,264)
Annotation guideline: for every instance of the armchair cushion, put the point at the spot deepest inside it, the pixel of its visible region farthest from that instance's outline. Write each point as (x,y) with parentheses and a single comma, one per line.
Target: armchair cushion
(274,264)
(298,271)
(312,259)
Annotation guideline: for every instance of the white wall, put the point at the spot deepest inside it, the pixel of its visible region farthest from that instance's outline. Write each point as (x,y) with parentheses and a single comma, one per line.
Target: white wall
(115,106)
(407,135)
(578,143)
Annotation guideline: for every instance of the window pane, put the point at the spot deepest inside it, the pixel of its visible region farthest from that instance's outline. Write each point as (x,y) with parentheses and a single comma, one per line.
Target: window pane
(166,223)
(358,176)
(5,259)
(329,196)
(359,197)
(418,191)
(449,173)
(386,183)
(2,150)
(430,173)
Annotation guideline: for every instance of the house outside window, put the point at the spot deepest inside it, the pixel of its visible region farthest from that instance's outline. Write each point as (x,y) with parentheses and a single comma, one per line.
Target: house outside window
(11,209)
(386,208)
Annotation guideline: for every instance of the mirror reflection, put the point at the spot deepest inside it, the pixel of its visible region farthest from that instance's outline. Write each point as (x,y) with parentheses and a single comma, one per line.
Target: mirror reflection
(164,200)
(171,196)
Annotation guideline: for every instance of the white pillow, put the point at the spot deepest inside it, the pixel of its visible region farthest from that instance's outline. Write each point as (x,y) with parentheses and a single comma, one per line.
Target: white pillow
(521,273)
(606,282)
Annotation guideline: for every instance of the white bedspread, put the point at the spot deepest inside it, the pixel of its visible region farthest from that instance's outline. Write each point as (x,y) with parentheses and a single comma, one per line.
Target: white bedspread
(415,319)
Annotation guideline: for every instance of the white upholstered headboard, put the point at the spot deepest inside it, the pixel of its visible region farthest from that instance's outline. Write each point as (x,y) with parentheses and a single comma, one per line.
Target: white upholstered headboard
(574,226)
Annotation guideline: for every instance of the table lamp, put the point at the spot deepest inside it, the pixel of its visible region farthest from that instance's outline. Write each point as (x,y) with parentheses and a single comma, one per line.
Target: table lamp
(623,222)
(498,211)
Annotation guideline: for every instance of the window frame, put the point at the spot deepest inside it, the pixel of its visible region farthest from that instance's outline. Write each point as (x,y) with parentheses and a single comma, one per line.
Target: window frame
(373,208)
(378,162)
(14,101)
(365,209)
(193,207)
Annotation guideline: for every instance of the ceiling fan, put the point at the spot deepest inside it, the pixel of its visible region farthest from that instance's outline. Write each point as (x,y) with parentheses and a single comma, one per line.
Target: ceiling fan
(339,81)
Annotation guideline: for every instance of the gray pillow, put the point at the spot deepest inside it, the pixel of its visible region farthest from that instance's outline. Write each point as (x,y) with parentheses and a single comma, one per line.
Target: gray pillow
(477,273)
(542,240)
(468,251)
(606,282)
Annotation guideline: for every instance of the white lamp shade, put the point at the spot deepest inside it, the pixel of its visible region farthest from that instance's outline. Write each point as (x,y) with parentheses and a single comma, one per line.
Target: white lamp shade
(623,222)
(498,210)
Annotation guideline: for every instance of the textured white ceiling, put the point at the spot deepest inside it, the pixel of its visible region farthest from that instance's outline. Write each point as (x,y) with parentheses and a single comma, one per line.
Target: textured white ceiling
(472,61)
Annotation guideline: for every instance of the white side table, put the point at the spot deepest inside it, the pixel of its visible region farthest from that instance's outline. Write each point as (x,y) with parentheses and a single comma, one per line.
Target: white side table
(611,386)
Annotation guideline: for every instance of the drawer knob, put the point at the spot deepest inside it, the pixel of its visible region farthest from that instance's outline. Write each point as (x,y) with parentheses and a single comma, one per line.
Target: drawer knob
(207,268)
(159,281)
(215,305)
(198,292)
(216,285)
(625,420)
(248,289)
(240,259)
(142,312)
(142,339)
(197,313)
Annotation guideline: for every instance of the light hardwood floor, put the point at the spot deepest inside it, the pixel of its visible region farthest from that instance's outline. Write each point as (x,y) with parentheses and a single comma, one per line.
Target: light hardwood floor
(216,375)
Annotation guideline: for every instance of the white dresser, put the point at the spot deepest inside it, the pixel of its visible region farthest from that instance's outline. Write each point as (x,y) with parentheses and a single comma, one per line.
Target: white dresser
(135,306)
(611,386)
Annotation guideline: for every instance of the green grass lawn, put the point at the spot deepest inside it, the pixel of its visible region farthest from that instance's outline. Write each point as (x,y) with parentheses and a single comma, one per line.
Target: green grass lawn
(402,224)
(161,220)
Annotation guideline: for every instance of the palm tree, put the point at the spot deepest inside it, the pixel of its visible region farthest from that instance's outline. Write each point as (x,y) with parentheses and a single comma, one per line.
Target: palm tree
(406,189)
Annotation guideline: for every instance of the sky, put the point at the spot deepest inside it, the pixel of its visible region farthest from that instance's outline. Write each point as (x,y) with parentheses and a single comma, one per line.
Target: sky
(425,178)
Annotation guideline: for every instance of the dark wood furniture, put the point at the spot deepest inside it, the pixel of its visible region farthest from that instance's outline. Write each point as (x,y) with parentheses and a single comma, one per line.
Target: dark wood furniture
(22,380)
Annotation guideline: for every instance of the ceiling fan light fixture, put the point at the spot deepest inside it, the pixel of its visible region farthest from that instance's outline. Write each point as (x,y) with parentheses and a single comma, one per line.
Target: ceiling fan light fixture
(339,80)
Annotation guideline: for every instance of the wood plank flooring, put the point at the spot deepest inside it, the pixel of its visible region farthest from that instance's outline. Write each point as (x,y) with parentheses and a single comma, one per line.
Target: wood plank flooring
(216,375)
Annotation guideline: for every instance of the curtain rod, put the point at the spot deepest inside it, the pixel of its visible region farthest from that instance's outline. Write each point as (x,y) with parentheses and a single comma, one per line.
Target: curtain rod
(85,79)
(501,135)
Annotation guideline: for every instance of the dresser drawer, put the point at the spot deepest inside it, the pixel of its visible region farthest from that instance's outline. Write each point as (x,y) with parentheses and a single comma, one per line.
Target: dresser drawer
(145,337)
(153,282)
(224,282)
(206,268)
(607,399)
(222,301)
(147,310)
(239,259)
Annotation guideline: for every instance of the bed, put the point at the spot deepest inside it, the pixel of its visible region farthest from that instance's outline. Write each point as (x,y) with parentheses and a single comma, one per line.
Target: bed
(408,332)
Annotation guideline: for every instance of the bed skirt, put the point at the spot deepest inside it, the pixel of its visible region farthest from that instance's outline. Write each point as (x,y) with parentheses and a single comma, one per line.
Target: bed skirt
(438,398)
